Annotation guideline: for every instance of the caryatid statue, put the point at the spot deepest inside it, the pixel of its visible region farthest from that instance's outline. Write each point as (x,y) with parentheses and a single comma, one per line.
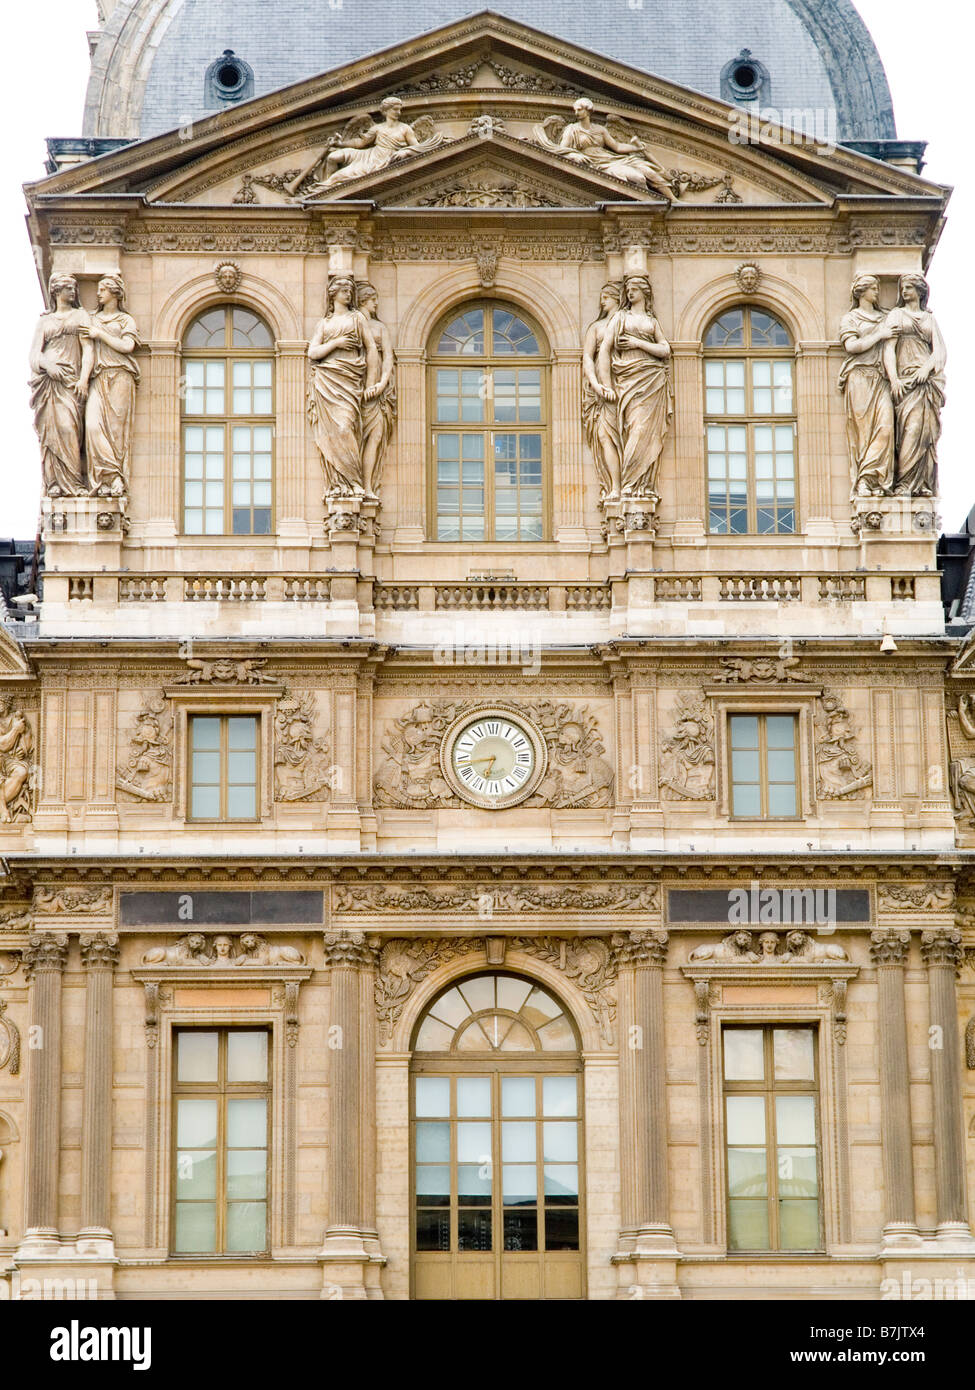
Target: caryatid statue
(111,395)
(60,364)
(379,398)
(914,358)
(599,413)
(345,362)
(633,365)
(864,331)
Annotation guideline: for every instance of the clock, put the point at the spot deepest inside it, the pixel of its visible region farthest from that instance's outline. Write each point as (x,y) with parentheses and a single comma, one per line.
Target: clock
(493,758)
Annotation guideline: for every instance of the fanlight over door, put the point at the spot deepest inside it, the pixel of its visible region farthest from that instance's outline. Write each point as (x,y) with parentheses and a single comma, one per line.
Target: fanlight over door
(496,1124)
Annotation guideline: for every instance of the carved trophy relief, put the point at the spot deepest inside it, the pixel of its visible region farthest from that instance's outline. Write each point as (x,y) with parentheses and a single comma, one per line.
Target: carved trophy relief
(222,951)
(626,365)
(148,773)
(301,760)
(758,670)
(363,147)
(225,670)
(894,386)
(83,382)
(687,753)
(840,770)
(577,774)
(16,762)
(352,400)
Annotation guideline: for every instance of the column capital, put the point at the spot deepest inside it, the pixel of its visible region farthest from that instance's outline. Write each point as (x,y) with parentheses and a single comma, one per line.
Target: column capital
(890,947)
(45,954)
(99,950)
(942,946)
(348,950)
(641,949)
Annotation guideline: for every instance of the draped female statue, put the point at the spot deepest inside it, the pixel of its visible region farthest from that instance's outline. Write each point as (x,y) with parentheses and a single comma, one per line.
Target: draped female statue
(633,364)
(344,359)
(111,398)
(379,399)
(915,359)
(863,381)
(599,415)
(60,364)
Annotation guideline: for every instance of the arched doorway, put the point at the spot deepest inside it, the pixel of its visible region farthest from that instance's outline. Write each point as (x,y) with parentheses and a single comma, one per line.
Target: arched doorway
(496,1144)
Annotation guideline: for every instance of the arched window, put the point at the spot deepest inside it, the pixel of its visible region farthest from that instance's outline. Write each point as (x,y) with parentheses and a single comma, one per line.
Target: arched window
(749,416)
(497,1109)
(228,424)
(489,407)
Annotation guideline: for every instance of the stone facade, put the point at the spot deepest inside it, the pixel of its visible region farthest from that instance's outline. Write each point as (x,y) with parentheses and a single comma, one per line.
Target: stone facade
(369,875)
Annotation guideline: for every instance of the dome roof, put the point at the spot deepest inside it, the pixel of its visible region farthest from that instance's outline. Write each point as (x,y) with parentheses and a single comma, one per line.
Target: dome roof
(160,64)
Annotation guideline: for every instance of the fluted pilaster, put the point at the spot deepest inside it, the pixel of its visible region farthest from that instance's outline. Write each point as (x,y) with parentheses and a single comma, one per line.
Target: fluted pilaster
(99,953)
(889,951)
(941,950)
(44,961)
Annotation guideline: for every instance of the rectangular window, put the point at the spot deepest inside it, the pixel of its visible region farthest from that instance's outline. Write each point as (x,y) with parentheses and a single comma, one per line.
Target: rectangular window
(751,444)
(221,1101)
(228,434)
(772,1138)
(223,774)
(764,766)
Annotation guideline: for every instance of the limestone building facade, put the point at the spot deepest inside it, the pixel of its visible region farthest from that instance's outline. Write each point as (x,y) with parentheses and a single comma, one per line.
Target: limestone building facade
(487,795)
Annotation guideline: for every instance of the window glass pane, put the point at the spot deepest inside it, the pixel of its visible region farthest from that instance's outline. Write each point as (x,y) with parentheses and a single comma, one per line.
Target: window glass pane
(473,1229)
(559,1095)
(434,1036)
(746,1119)
(799,1225)
(246,1174)
(744,731)
(748,1224)
(433,1095)
(205,732)
(473,1142)
(478,992)
(249,330)
(433,1184)
(451,1008)
(432,1230)
(241,768)
(247,1122)
(560,1141)
(744,1057)
(205,803)
(797,1173)
(196,1123)
(794,1050)
(208,330)
(727,331)
(795,1119)
(540,1007)
(432,1142)
(473,1095)
(518,1141)
(196,1056)
(517,1095)
(780,730)
(241,803)
(561,1229)
(746,800)
(747,1173)
(781,799)
(557,1036)
(519,1183)
(766,331)
(196,1175)
(464,335)
(521,1229)
(246,1056)
(474,1183)
(512,335)
(196,1227)
(242,733)
(512,993)
(247,1226)
(561,1184)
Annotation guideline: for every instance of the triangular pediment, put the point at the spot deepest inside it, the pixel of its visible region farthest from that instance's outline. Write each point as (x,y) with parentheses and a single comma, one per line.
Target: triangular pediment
(13,663)
(483,67)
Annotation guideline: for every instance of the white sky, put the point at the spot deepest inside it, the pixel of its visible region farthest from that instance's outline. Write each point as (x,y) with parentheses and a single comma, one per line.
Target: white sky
(927,54)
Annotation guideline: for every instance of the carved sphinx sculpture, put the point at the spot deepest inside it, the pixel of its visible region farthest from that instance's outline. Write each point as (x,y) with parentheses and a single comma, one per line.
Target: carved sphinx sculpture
(584,142)
(16,750)
(60,364)
(914,358)
(869,404)
(633,367)
(364,147)
(111,397)
(346,366)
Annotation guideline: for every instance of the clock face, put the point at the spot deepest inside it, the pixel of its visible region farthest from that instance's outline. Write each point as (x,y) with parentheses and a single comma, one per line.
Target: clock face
(493,759)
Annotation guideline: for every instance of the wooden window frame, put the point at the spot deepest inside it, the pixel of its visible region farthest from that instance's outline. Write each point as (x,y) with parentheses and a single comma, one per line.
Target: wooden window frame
(769,1088)
(488,363)
(221,1090)
(763,716)
(224,717)
(749,354)
(228,354)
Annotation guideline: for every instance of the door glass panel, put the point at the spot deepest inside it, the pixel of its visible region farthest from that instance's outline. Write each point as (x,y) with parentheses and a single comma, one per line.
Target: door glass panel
(518,1094)
(559,1095)
(433,1095)
(473,1095)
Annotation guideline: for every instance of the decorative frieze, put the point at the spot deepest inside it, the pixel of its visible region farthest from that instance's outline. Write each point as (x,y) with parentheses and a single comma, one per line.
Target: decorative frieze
(73,900)
(486,899)
(906,897)
(759,670)
(223,951)
(225,670)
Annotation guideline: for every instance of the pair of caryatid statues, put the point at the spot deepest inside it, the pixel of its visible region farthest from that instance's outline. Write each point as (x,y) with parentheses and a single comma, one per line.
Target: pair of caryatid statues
(353,388)
(83,380)
(627,399)
(893,381)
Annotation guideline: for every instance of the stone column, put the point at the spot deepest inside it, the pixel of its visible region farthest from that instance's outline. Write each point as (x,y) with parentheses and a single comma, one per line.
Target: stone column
(99,952)
(941,951)
(889,951)
(648,1253)
(44,960)
(344,1253)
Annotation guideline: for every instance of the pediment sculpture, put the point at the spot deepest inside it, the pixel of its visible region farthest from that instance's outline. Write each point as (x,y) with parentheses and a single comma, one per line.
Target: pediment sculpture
(83,382)
(221,952)
(894,387)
